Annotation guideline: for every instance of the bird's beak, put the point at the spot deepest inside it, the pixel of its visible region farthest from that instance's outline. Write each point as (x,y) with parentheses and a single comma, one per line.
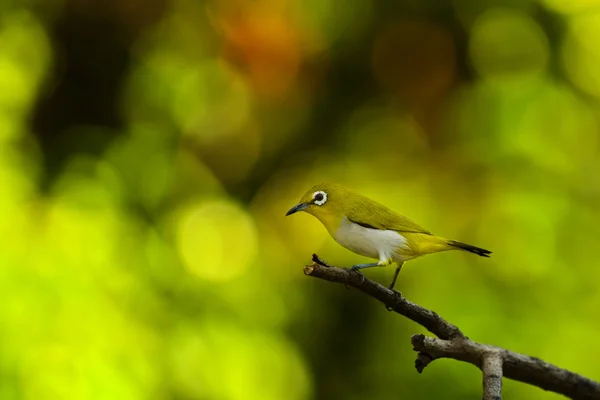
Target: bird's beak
(296,208)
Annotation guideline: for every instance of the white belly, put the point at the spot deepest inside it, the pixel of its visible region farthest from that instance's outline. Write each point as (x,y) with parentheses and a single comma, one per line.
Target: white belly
(373,243)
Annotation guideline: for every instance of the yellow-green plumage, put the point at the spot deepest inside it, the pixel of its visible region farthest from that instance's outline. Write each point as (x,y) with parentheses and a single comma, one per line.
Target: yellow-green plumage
(370,229)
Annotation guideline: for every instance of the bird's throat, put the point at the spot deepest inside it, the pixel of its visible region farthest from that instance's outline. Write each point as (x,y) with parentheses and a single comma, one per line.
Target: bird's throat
(330,221)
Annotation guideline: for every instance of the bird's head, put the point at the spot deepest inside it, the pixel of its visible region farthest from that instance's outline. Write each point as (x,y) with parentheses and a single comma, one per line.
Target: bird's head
(325,201)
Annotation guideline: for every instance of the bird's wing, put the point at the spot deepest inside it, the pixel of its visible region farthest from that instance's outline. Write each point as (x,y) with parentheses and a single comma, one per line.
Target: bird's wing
(380,217)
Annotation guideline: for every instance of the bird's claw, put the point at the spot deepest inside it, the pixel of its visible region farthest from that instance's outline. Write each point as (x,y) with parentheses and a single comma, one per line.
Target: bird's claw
(397,296)
(355,270)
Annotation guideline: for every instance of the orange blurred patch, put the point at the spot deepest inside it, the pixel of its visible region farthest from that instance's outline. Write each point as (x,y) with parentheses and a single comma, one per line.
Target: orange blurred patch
(265,44)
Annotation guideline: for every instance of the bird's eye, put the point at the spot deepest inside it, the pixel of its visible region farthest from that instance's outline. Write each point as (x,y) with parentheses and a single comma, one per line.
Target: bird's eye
(320,198)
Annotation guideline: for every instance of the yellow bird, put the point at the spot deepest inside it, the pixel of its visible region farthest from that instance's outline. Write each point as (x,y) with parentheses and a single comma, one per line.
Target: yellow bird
(372,230)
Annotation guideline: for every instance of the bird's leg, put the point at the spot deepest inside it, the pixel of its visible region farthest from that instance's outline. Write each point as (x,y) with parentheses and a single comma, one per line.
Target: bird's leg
(355,269)
(381,263)
(398,268)
(361,266)
(391,287)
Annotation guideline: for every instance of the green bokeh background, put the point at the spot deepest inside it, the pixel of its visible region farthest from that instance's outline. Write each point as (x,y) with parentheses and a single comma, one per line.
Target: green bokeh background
(150,149)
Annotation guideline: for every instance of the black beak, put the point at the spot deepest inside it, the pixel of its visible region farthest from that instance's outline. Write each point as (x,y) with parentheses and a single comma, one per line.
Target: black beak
(296,208)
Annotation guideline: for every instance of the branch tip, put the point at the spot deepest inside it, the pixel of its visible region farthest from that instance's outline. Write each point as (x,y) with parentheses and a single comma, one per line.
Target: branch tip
(308,269)
(418,341)
(317,260)
(423,360)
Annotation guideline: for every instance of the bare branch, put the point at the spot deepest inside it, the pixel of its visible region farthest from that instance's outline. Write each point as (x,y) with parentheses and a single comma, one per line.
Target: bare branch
(492,375)
(452,343)
(391,298)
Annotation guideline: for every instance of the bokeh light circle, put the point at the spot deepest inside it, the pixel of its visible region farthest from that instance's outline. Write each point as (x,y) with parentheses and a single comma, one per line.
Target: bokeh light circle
(217,240)
(572,6)
(218,359)
(581,55)
(507,43)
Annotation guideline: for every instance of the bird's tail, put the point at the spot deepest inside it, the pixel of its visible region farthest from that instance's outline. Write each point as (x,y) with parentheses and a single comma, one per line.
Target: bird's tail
(472,249)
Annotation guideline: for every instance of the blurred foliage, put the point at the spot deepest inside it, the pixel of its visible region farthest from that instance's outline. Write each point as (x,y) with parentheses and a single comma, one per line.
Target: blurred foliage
(150,150)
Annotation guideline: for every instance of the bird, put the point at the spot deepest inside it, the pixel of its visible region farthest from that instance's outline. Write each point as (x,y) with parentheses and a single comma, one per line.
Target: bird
(370,229)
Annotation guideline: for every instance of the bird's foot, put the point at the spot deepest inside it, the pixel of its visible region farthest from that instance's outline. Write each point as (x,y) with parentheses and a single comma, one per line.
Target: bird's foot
(356,270)
(397,297)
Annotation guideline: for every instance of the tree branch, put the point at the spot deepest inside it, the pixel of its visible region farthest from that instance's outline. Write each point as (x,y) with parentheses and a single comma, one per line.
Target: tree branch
(492,375)
(452,343)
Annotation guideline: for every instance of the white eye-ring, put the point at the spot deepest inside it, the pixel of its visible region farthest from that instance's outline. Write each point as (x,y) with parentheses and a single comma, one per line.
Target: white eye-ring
(320,197)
